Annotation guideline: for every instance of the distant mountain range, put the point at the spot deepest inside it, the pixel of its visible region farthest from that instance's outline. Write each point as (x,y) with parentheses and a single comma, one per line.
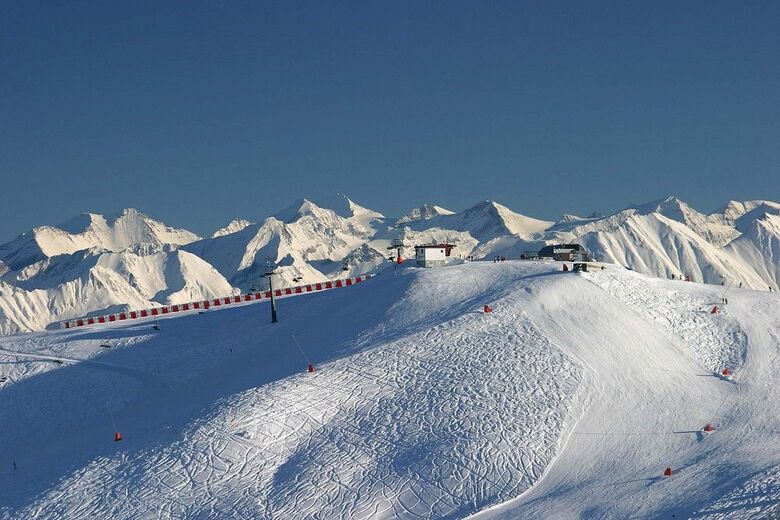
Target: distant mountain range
(95,264)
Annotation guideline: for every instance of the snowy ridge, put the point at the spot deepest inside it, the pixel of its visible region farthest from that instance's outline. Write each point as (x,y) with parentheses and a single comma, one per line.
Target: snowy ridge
(72,285)
(51,274)
(485,221)
(424,212)
(713,228)
(760,246)
(568,400)
(113,233)
(234,226)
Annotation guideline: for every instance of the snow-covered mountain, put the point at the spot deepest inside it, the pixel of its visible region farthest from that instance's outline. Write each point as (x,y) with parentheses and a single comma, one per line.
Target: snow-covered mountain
(295,238)
(670,238)
(759,244)
(234,226)
(96,281)
(339,205)
(95,263)
(486,221)
(714,228)
(113,233)
(424,212)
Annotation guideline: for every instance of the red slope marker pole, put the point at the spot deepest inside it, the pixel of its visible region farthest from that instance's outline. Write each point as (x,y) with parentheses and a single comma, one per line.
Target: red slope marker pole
(117,435)
(310,368)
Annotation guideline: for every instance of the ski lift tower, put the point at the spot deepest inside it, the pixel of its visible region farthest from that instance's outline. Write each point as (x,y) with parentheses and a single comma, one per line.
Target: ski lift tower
(397,244)
(270,271)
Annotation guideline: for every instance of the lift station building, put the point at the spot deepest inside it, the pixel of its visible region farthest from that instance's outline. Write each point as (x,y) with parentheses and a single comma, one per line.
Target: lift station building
(566,252)
(432,255)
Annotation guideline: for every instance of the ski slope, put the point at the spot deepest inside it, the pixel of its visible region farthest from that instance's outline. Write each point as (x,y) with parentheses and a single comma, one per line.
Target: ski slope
(568,400)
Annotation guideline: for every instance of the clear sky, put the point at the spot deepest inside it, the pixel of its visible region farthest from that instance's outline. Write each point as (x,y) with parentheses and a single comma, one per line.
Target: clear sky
(198,112)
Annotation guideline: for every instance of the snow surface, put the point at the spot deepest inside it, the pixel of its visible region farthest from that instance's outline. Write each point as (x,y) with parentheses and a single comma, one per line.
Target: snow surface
(568,400)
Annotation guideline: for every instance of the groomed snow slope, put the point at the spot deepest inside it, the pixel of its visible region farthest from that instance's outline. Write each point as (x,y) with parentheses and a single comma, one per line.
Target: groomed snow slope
(569,399)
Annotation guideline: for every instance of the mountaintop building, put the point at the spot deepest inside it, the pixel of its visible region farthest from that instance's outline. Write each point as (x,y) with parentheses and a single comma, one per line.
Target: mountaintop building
(566,252)
(432,255)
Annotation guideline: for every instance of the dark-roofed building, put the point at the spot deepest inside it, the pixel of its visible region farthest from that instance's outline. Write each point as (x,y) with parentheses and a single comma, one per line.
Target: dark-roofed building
(566,252)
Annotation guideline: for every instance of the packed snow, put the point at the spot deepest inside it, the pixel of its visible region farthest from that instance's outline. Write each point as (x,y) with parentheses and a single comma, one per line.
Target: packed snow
(568,400)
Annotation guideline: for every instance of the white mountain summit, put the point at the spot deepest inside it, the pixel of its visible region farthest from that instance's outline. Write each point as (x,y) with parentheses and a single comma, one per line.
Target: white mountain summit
(112,232)
(424,212)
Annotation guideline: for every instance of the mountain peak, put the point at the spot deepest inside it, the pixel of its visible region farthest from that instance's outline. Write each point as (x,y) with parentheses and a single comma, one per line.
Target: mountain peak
(760,211)
(339,205)
(486,205)
(125,214)
(487,220)
(424,212)
(235,225)
(345,207)
(735,209)
(83,222)
(568,217)
(298,209)
(89,230)
(79,223)
(670,206)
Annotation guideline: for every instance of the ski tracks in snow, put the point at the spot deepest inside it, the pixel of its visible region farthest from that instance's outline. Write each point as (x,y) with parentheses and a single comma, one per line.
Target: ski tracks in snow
(714,340)
(21,360)
(445,411)
(757,498)
(440,423)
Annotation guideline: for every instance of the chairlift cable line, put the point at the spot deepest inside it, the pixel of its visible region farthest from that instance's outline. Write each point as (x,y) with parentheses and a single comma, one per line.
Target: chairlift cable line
(111,415)
(299,348)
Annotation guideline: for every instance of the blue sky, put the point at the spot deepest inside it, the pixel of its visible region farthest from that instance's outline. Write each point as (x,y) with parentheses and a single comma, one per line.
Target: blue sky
(198,112)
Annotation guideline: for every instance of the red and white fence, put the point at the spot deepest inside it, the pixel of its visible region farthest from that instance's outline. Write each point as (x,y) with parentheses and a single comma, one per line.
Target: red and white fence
(212,303)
